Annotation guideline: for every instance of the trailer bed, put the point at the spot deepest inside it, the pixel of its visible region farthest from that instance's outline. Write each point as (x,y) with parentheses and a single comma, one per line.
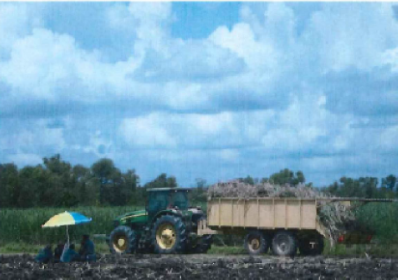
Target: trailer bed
(264,213)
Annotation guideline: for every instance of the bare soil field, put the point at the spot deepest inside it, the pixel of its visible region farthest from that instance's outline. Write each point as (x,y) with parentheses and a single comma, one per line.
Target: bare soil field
(201,267)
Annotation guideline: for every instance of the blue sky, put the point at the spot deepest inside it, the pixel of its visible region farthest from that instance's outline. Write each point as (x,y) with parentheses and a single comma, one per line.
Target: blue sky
(202,90)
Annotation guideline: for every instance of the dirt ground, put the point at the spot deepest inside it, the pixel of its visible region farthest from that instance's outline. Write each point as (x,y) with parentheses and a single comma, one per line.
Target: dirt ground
(201,267)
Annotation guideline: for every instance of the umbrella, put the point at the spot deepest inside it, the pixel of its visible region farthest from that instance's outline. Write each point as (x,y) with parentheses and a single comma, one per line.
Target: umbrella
(66,219)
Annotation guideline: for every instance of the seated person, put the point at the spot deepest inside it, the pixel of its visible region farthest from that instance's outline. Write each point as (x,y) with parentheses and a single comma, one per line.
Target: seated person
(70,255)
(45,255)
(87,249)
(58,251)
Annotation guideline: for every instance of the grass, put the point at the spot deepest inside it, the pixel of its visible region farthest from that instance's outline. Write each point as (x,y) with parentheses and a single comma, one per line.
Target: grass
(28,248)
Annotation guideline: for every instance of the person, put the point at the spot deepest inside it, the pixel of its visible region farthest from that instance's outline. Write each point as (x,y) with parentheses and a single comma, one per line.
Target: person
(45,255)
(58,251)
(87,249)
(69,255)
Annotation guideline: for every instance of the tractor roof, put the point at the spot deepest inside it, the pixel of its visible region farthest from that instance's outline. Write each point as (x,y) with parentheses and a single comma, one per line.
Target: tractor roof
(169,189)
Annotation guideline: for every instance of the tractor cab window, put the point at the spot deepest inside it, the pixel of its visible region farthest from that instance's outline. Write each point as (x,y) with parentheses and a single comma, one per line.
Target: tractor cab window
(180,200)
(157,201)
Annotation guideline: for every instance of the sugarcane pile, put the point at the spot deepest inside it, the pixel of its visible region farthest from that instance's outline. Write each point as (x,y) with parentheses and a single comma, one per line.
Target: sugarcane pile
(335,216)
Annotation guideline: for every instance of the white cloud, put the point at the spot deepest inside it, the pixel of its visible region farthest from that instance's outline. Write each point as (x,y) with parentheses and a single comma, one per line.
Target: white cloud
(16,20)
(44,63)
(351,35)
(33,137)
(146,132)
(190,130)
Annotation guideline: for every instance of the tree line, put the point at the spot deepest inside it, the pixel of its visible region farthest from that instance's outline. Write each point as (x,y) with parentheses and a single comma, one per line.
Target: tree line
(57,183)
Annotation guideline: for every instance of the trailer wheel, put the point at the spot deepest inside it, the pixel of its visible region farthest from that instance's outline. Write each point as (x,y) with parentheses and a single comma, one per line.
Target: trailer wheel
(169,235)
(256,242)
(311,246)
(122,240)
(284,243)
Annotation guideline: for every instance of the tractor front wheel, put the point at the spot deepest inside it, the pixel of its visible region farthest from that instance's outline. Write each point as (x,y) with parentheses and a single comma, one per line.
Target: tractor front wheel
(169,235)
(122,240)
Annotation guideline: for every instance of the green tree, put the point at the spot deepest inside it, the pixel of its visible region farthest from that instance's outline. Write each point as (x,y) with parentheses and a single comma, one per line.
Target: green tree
(361,187)
(162,181)
(248,180)
(287,176)
(9,185)
(369,186)
(81,176)
(104,174)
(390,183)
(33,187)
(114,187)
(198,194)
(61,183)
(130,192)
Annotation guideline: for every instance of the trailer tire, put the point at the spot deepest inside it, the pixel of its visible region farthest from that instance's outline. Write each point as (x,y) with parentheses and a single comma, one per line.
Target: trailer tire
(169,235)
(306,248)
(256,242)
(122,240)
(284,243)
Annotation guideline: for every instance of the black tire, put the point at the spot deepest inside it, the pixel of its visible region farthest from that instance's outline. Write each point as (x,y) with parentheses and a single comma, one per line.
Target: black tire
(203,245)
(256,243)
(311,246)
(284,243)
(179,235)
(122,240)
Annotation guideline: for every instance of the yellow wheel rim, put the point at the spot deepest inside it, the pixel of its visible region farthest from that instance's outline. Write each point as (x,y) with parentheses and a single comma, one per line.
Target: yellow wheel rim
(120,244)
(254,244)
(166,236)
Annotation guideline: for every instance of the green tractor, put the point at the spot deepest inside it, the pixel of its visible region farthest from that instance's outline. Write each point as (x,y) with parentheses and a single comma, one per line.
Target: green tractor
(168,225)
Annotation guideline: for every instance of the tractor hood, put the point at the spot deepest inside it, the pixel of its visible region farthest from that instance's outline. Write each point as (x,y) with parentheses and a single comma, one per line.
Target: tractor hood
(132,217)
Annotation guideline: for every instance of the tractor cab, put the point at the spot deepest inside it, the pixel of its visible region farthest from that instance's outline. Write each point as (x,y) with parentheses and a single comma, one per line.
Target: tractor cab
(166,199)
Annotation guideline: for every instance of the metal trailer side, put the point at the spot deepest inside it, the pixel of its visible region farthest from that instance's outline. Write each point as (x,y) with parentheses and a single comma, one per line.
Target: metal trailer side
(264,213)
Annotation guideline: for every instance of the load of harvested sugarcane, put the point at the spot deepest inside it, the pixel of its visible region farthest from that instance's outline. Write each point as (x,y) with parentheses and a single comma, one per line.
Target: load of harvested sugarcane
(337,217)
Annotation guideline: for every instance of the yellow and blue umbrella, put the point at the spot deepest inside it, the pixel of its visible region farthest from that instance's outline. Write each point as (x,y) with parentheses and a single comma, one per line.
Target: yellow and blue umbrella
(66,219)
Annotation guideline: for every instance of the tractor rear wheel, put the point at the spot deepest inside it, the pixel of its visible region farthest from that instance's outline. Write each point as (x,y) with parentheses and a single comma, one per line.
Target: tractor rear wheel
(169,235)
(284,243)
(256,243)
(122,240)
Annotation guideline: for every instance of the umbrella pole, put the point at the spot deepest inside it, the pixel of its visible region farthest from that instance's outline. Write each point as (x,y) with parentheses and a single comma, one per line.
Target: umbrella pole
(67,235)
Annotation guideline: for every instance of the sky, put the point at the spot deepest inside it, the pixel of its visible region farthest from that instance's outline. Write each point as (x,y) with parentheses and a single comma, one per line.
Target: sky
(202,90)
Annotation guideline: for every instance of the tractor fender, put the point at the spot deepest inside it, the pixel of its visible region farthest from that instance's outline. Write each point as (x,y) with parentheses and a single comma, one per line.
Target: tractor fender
(172,212)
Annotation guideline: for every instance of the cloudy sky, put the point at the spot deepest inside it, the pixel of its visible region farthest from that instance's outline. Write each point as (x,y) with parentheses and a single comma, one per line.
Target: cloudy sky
(202,90)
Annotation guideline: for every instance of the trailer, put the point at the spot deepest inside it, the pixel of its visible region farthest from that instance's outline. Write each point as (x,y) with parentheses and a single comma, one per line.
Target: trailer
(283,225)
